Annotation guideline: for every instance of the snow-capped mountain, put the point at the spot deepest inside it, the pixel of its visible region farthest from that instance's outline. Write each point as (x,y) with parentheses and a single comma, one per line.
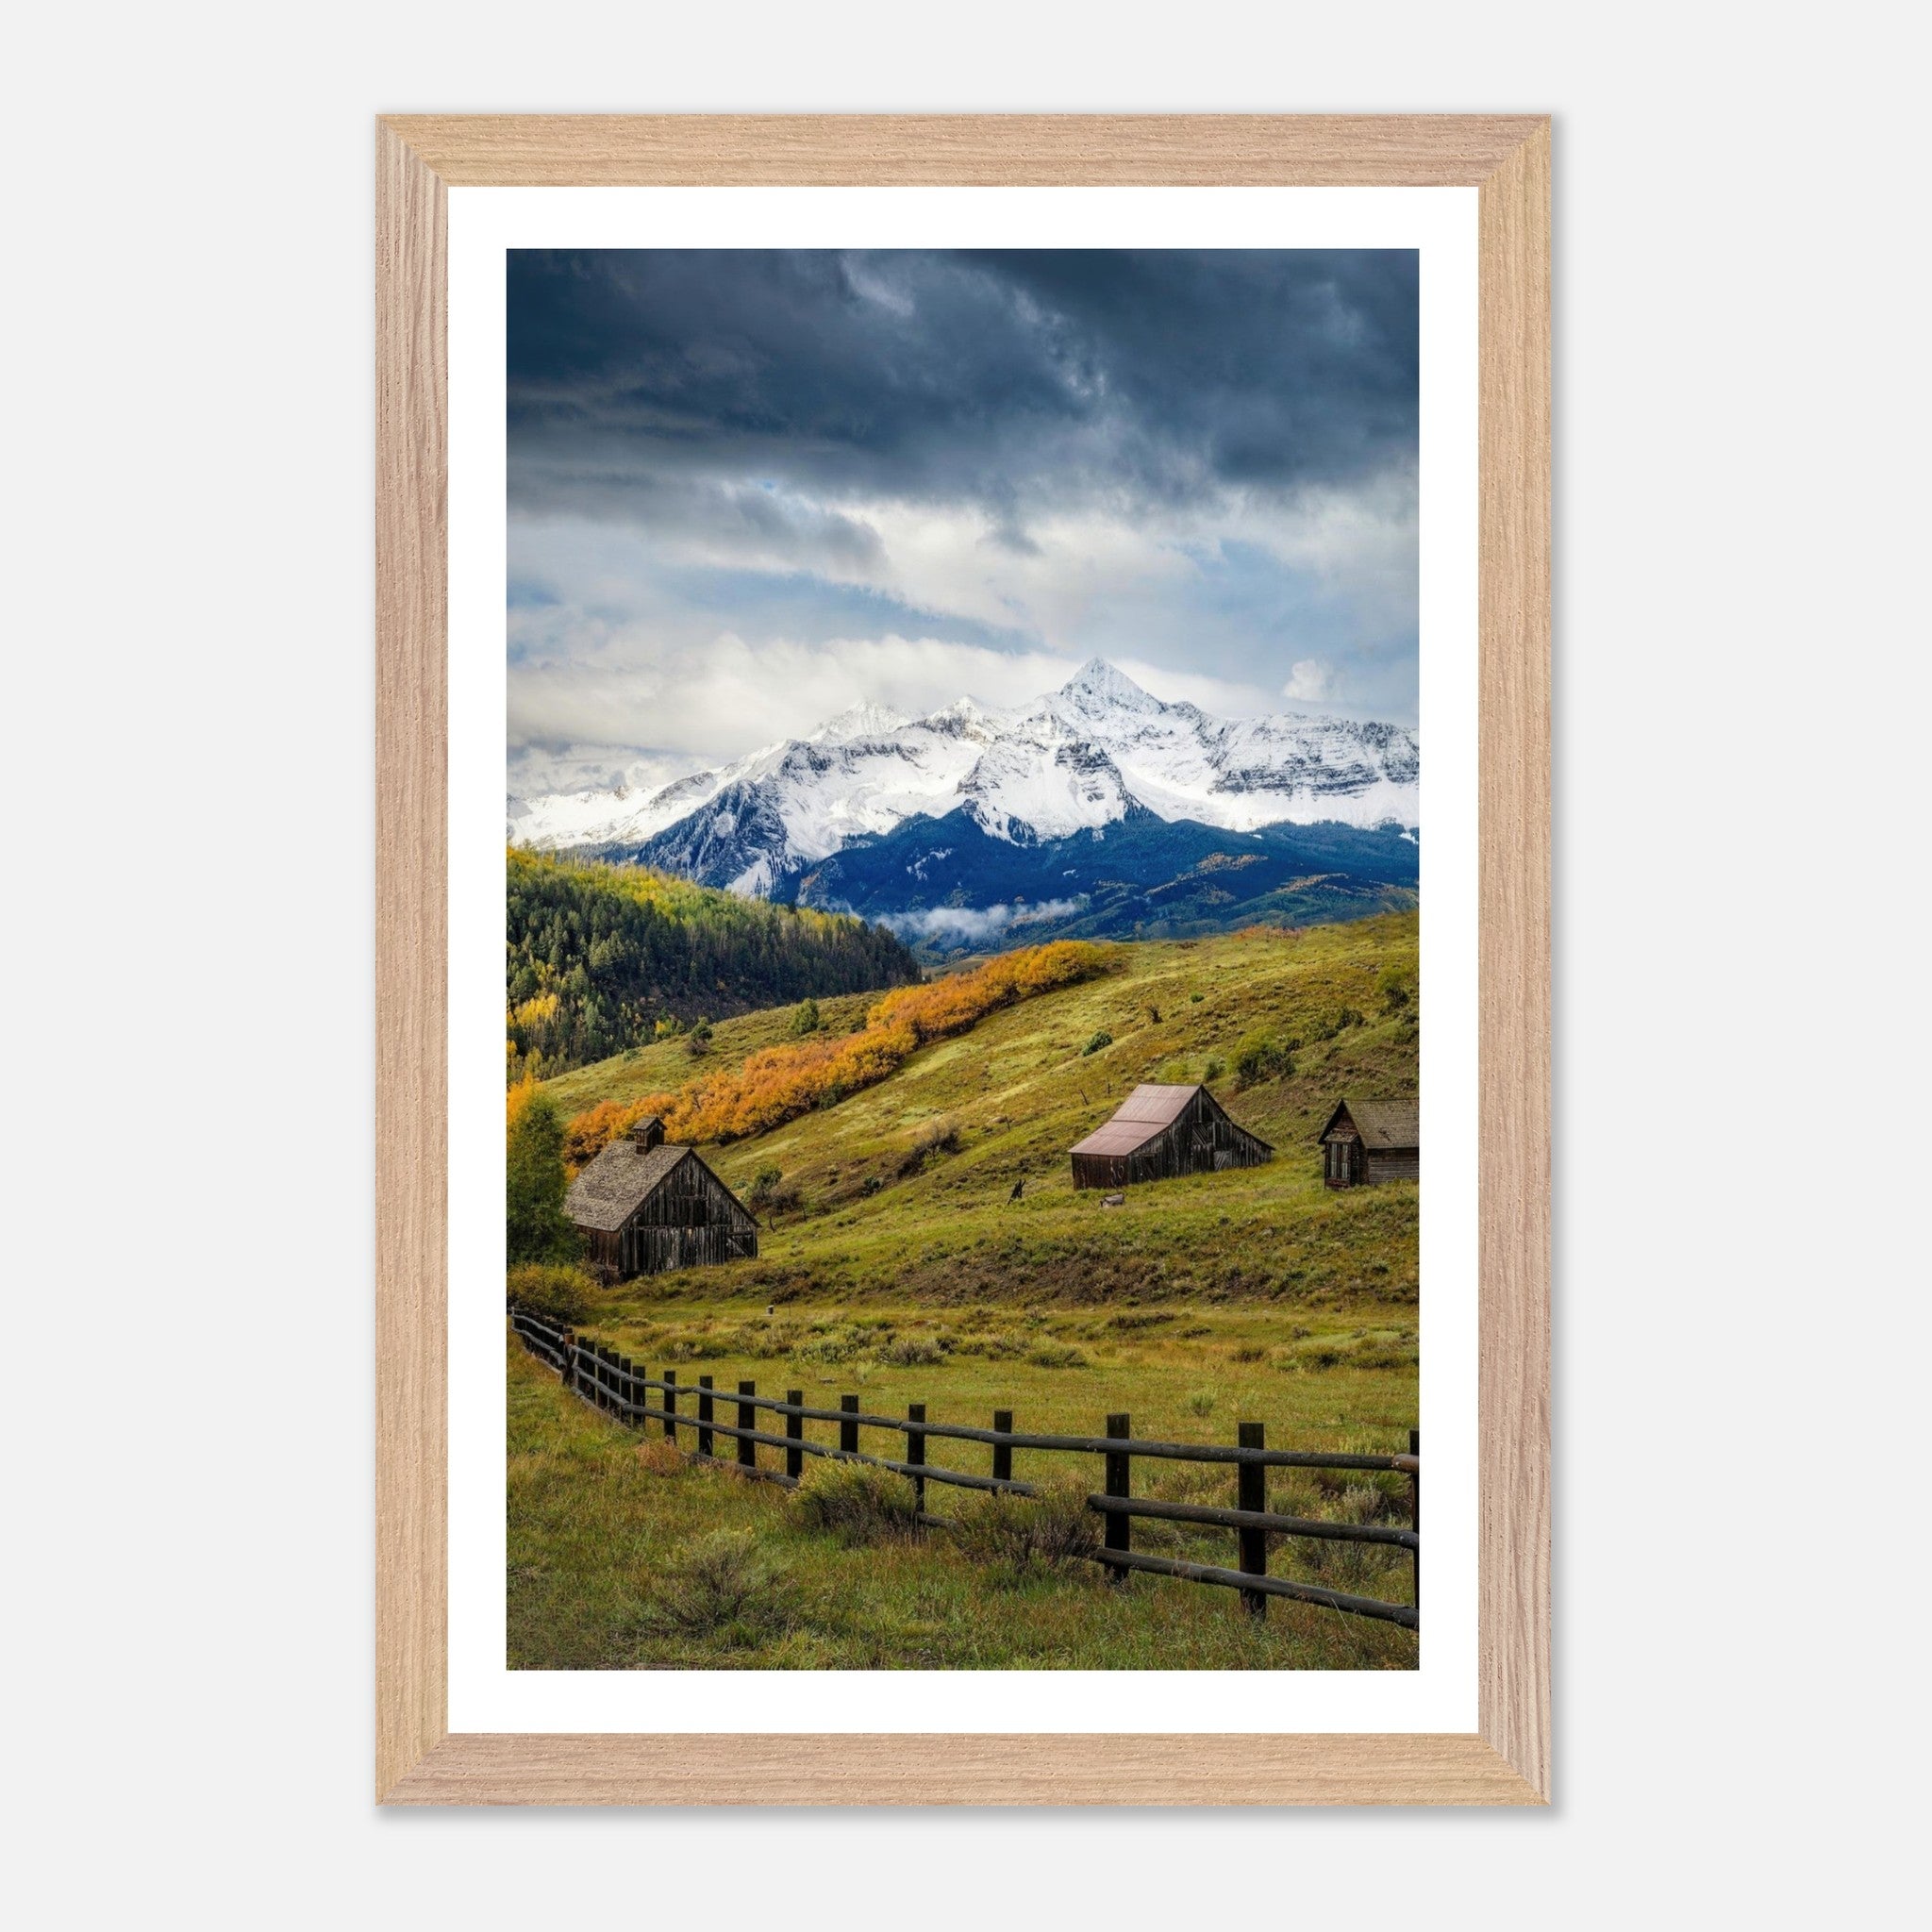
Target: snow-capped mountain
(1080,759)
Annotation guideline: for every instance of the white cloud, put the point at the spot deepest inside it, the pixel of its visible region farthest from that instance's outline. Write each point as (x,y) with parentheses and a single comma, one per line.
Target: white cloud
(708,701)
(1310,682)
(968,923)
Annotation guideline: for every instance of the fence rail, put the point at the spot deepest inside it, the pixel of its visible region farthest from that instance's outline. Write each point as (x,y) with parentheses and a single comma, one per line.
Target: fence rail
(624,1388)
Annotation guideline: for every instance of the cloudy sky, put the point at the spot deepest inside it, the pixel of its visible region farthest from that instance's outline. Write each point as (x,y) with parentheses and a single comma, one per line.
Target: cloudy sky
(749,489)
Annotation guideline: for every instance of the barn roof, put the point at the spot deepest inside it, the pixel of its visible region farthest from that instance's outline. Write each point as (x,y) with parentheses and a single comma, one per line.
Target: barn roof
(1382,1124)
(1144,1115)
(612,1187)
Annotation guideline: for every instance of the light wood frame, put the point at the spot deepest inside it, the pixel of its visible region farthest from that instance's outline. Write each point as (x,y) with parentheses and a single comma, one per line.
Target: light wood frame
(1507,1762)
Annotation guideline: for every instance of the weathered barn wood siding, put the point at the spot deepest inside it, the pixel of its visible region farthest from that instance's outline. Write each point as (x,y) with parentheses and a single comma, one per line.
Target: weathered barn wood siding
(1383,1146)
(1396,1164)
(644,1208)
(689,1219)
(1201,1139)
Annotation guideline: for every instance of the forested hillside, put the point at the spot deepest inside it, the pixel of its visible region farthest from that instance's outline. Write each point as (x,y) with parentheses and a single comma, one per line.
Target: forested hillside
(601,957)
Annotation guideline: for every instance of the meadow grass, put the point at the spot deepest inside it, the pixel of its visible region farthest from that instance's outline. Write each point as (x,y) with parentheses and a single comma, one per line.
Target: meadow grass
(894,1264)
(905,1187)
(625,1556)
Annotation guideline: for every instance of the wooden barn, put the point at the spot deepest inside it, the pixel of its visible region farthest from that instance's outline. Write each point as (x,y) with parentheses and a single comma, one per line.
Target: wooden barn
(1159,1132)
(1368,1142)
(644,1207)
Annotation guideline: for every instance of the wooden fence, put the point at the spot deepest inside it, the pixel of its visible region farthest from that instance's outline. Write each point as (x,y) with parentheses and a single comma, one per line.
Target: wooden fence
(624,1389)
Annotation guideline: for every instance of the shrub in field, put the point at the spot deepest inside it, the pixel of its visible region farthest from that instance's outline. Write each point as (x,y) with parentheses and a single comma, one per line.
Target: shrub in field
(1214,1070)
(1330,1026)
(1057,1355)
(1261,1057)
(856,1503)
(553,1289)
(834,1346)
(933,1141)
(723,1582)
(915,1351)
(1100,1039)
(994,1347)
(1045,1531)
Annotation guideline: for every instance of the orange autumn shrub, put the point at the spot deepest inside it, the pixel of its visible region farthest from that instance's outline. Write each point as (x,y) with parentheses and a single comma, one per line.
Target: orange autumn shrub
(588,1134)
(941,1006)
(780,1083)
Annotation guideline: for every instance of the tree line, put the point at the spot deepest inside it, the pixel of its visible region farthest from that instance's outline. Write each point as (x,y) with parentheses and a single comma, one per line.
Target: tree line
(598,956)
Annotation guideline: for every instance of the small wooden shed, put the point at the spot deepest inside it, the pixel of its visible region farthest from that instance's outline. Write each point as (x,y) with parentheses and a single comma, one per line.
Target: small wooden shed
(1368,1142)
(1158,1132)
(644,1207)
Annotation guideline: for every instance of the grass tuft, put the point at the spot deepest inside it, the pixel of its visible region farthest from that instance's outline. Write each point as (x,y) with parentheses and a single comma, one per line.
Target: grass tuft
(857,1504)
(1051,1530)
(721,1584)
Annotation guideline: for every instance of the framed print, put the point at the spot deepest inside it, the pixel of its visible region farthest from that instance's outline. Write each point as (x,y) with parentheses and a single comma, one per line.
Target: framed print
(914,973)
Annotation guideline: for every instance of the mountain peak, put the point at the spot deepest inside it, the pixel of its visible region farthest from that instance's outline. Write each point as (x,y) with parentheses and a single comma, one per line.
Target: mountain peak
(1098,681)
(862,719)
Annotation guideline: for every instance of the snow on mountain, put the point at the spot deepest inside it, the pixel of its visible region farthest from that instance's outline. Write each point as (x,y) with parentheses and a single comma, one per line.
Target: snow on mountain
(864,720)
(1079,759)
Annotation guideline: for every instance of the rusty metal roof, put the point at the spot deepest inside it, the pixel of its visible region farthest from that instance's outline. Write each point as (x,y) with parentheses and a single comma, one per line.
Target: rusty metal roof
(1146,1113)
(1117,1137)
(1157,1105)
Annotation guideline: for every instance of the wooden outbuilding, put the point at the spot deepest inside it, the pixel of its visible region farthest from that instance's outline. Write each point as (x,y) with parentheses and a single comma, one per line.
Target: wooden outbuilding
(645,1207)
(1159,1132)
(1369,1141)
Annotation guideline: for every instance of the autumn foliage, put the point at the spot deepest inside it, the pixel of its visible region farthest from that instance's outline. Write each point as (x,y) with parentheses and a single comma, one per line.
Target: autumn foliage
(780,1083)
(590,1133)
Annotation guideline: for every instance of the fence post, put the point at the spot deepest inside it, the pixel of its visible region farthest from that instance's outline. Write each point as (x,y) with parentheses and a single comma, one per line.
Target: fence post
(1415,1511)
(704,1415)
(1003,1452)
(626,1389)
(915,1452)
(747,1418)
(848,1430)
(794,1428)
(1118,1531)
(1251,1492)
(670,1405)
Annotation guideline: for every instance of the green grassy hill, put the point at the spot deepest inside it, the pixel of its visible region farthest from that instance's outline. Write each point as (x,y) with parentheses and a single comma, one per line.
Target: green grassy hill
(896,1265)
(903,1189)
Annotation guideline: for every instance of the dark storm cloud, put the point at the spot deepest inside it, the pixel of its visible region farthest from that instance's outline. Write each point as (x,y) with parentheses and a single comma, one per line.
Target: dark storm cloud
(748,489)
(1008,381)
